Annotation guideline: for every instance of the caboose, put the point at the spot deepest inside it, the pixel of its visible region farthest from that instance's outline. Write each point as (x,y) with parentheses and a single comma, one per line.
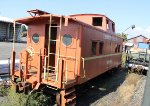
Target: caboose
(65,51)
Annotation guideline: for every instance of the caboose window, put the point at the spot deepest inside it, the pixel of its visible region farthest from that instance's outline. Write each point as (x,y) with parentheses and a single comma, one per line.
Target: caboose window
(118,48)
(35,38)
(107,24)
(94,44)
(113,27)
(67,39)
(97,21)
(101,44)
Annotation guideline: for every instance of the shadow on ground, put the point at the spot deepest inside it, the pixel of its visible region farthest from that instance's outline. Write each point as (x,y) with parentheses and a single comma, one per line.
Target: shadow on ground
(99,87)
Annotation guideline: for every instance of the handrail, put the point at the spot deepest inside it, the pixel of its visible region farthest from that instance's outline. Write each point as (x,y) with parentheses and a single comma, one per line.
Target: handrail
(45,61)
(83,60)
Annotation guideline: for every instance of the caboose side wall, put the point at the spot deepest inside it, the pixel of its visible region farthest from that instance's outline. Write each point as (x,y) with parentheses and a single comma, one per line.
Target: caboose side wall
(97,64)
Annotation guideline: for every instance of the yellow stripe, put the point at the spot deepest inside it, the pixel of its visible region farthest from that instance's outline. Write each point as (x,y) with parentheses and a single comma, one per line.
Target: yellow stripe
(98,57)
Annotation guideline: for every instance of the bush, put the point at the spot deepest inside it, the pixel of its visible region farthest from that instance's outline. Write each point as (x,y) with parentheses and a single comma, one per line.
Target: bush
(20,99)
(15,99)
(123,59)
(3,90)
(37,99)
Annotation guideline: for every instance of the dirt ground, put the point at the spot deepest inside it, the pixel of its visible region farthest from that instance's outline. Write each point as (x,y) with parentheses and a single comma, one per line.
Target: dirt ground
(114,89)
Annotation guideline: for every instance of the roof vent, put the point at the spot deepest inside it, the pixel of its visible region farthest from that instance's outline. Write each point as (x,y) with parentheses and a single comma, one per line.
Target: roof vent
(36,12)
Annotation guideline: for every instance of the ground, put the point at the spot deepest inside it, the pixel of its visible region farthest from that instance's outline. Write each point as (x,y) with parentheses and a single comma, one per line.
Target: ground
(117,89)
(6,48)
(5,53)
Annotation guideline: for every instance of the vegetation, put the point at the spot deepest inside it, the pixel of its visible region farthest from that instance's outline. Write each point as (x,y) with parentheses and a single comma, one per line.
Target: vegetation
(15,99)
(123,35)
(23,28)
(3,90)
(23,31)
(123,59)
(20,99)
(37,99)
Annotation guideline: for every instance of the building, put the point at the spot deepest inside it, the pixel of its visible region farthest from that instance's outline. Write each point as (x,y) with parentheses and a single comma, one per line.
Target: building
(138,39)
(134,42)
(7,30)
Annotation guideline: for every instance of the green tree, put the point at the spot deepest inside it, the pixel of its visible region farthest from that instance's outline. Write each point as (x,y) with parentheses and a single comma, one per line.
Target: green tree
(123,35)
(23,31)
(23,28)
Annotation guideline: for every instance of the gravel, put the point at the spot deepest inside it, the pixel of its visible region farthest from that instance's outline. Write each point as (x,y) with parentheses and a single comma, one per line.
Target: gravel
(131,93)
(136,99)
(6,48)
(3,99)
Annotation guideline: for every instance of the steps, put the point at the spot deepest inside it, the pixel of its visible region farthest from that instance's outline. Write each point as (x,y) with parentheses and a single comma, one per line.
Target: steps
(68,97)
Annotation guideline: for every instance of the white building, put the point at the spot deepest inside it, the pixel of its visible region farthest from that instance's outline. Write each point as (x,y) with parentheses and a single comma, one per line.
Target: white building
(6,29)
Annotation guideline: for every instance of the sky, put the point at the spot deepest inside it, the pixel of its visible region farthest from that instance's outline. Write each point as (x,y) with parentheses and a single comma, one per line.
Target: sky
(123,12)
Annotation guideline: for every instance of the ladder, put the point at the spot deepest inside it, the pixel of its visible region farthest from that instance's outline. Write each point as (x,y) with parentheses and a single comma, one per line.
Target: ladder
(47,68)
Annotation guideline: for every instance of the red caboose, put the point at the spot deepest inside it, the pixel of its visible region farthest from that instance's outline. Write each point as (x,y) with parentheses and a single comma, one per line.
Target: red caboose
(64,51)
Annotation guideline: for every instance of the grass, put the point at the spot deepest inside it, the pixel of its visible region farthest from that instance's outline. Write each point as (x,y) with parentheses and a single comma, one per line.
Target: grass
(123,59)
(15,99)
(20,99)
(3,91)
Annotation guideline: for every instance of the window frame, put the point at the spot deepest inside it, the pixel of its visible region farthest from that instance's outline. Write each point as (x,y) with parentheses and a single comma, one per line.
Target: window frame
(94,47)
(97,21)
(101,48)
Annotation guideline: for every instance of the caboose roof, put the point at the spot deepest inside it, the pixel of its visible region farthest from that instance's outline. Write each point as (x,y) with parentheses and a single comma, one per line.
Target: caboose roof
(87,15)
(46,16)
(93,15)
(27,20)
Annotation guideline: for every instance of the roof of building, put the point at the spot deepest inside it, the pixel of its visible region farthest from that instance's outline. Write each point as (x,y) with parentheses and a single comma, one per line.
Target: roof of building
(137,37)
(5,19)
(129,44)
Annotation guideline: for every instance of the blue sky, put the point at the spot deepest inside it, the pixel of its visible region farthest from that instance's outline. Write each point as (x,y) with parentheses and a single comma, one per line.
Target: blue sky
(123,12)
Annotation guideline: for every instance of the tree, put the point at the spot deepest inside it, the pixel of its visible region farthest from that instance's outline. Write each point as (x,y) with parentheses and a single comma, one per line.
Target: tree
(23,28)
(23,31)
(123,35)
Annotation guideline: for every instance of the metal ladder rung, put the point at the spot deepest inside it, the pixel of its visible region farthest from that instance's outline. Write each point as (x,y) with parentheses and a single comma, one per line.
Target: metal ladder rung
(52,53)
(55,26)
(55,40)
(51,67)
(50,70)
